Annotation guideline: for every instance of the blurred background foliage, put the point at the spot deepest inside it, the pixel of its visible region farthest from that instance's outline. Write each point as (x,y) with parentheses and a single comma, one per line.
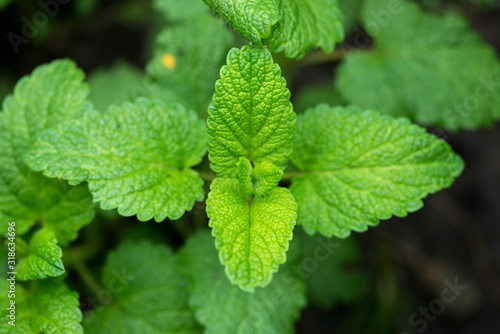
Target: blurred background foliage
(374,281)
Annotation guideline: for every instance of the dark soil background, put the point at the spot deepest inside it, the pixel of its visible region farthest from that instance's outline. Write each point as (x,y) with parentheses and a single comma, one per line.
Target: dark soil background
(454,237)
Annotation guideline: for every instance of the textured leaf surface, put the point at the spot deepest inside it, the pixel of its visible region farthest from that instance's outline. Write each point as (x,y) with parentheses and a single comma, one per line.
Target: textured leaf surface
(224,308)
(253,19)
(175,10)
(53,93)
(258,180)
(251,115)
(187,61)
(149,294)
(433,69)
(48,306)
(251,233)
(119,83)
(306,25)
(135,157)
(43,260)
(338,278)
(359,167)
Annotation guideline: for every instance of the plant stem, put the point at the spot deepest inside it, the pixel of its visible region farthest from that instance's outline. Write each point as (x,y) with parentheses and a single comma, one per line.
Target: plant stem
(87,277)
(288,176)
(320,57)
(207,176)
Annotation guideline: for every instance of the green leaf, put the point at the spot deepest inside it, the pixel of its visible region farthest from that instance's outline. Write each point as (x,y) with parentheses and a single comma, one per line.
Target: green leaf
(186,62)
(223,308)
(43,260)
(251,233)
(135,157)
(175,10)
(149,294)
(358,167)
(48,306)
(307,25)
(253,19)
(251,115)
(259,180)
(119,83)
(337,277)
(51,94)
(434,69)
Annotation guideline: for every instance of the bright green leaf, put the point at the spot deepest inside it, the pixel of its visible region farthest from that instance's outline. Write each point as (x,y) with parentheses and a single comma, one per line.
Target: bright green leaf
(253,19)
(258,180)
(359,167)
(306,25)
(43,260)
(48,306)
(149,295)
(434,69)
(266,177)
(175,10)
(51,94)
(251,233)
(135,157)
(119,83)
(187,60)
(251,115)
(224,308)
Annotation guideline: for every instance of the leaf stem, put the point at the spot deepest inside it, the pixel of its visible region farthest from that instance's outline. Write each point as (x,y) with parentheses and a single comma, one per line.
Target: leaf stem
(288,176)
(321,57)
(87,277)
(207,176)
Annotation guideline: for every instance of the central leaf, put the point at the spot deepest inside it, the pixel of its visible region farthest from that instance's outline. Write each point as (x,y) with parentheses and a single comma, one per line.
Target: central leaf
(251,115)
(251,233)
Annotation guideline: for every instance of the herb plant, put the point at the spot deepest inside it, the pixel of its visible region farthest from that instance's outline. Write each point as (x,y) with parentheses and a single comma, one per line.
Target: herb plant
(332,169)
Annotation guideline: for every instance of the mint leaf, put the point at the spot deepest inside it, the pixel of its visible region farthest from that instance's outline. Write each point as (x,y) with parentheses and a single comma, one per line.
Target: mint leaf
(307,25)
(251,115)
(119,83)
(135,157)
(359,167)
(253,19)
(258,180)
(338,278)
(175,10)
(48,306)
(51,94)
(149,294)
(417,69)
(186,62)
(268,310)
(44,259)
(251,233)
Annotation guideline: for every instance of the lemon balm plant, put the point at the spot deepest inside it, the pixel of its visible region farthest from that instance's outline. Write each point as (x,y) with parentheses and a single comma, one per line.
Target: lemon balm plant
(347,168)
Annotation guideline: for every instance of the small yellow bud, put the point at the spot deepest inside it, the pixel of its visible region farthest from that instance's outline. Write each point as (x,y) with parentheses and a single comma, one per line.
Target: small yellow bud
(168,60)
